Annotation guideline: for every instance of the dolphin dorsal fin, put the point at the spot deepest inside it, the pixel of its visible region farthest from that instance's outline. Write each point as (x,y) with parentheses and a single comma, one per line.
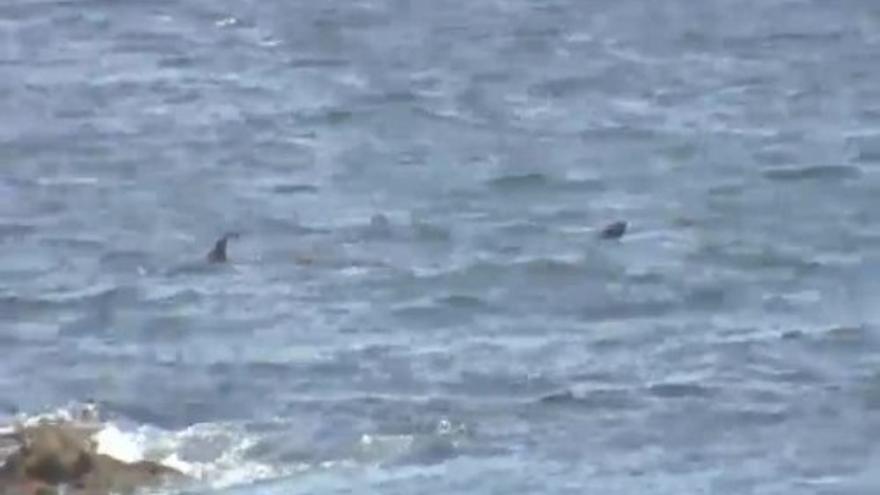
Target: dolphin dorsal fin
(218,253)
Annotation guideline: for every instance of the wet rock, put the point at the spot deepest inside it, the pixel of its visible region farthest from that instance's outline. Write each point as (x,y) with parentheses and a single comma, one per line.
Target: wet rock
(51,456)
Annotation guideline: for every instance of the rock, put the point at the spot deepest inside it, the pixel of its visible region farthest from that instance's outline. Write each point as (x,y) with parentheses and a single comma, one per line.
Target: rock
(109,475)
(55,455)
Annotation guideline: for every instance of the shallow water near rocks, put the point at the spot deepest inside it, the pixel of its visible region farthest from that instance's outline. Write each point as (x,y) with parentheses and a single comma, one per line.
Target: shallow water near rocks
(419,301)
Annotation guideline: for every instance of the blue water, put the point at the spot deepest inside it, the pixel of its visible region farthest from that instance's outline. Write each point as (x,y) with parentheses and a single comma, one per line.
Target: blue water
(419,302)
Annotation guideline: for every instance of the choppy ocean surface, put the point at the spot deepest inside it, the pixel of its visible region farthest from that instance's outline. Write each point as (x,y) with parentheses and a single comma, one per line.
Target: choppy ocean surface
(419,302)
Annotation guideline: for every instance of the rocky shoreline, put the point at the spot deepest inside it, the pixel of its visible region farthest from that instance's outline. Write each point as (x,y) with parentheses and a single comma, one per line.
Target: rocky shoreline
(54,457)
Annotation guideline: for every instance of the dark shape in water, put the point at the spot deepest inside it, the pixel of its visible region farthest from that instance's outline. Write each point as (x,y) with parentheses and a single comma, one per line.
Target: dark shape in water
(562,397)
(218,254)
(380,226)
(613,230)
